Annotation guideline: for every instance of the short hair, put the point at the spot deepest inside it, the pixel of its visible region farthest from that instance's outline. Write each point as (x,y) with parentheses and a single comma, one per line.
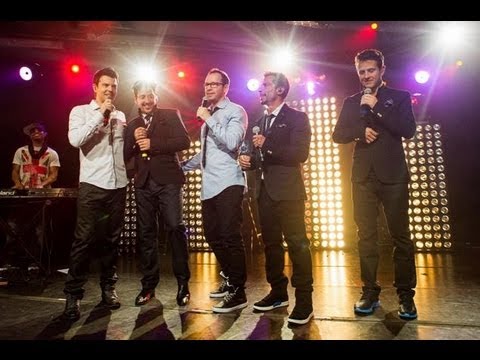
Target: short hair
(370,54)
(223,74)
(144,84)
(108,71)
(280,81)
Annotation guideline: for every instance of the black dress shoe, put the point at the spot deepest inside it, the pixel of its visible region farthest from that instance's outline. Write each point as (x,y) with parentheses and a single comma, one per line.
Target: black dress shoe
(110,298)
(183,294)
(72,308)
(144,297)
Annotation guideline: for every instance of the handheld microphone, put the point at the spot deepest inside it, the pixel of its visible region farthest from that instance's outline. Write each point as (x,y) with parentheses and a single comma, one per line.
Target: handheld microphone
(106,116)
(365,109)
(256,131)
(145,155)
(204,104)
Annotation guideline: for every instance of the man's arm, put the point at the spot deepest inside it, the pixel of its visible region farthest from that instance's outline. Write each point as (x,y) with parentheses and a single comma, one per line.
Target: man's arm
(52,176)
(129,147)
(17,184)
(80,128)
(350,127)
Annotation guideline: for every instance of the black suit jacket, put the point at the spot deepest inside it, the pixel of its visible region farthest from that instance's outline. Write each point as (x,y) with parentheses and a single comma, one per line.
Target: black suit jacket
(286,147)
(167,135)
(392,117)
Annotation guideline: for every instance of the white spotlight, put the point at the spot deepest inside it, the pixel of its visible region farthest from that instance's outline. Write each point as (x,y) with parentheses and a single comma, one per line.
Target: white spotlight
(253,84)
(422,76)
(25,73)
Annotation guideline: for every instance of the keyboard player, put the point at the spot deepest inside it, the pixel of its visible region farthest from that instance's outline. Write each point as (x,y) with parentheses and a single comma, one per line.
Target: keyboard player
(34,166)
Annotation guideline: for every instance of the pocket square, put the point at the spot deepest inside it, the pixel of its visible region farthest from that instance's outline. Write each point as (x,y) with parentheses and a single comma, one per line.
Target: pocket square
(281,125)
(388,103)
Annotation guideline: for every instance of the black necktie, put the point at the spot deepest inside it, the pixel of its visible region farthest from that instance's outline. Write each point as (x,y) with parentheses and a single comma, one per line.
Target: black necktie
(268,121)
(148,120)
(204,154)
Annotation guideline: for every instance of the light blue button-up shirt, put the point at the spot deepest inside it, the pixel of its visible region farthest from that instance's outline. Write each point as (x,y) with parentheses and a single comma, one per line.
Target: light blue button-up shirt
(227,127)
(101,147)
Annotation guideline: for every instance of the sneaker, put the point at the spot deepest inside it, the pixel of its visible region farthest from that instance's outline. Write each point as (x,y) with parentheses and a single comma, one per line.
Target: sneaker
(271,302)
(406,308)
(144,297)
(367,303)
(234,300)
(300,315)
(222,289)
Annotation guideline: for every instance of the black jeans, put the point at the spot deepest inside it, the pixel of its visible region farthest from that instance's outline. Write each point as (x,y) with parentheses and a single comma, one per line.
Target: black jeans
(166,199)
(285,220)
(394,197)
(222,222)
(96,207)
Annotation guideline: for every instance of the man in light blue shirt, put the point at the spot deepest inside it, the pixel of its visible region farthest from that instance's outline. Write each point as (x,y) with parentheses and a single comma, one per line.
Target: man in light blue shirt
(223,184)
(97,130)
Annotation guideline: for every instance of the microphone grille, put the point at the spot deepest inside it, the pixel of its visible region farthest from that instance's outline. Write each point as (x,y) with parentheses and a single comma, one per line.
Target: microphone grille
(256,130)
(367,91)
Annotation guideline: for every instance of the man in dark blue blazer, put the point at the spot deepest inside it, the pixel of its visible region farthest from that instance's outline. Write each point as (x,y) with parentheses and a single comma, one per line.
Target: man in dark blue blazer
(377,119)
(276,146)
(153,139)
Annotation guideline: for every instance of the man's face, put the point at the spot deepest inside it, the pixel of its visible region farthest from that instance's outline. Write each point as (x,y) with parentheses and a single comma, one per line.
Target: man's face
(37,134)
(267,91)
(106,89)
(146,100)
(369,74)
(215,90)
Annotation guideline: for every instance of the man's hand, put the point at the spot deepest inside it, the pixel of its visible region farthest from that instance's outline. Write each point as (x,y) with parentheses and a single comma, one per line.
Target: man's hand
(258,141)
(140,133)
(244,161)
(370,135)
(144,144)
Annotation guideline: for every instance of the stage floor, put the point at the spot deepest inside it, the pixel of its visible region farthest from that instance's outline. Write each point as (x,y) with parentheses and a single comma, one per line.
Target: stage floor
(447,299)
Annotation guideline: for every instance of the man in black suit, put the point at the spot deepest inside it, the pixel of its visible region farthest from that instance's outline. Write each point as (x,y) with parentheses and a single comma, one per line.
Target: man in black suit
(377,119)
(154,138)
(276,146)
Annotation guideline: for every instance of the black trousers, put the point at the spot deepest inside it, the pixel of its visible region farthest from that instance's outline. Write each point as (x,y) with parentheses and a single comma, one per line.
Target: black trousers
(394,197)
(285,220)
(166,199)
(222,221)
(96,207)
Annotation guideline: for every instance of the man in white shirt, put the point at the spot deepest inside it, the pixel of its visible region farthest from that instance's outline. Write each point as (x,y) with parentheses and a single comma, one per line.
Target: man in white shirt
(97,130)
(34,166)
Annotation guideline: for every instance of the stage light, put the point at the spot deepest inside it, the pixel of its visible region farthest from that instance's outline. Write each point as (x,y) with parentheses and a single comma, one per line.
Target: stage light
(322,184)
(181,74)
(25,73)
(459,63)
(422,76)
(310,88)
(374,26)
(75,68)
(253,84)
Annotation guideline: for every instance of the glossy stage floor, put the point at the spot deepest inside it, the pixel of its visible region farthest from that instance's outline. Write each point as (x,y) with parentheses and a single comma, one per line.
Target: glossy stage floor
(448,301)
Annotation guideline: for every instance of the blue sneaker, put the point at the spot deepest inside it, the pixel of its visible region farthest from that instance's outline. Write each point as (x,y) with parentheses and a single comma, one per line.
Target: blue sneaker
(367,303)
(406,308)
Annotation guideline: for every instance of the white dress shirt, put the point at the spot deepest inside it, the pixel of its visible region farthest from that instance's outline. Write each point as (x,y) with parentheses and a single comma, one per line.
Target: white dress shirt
(101,147)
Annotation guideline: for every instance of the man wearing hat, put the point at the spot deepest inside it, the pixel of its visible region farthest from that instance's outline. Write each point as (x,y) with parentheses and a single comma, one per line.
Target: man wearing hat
(35,165)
